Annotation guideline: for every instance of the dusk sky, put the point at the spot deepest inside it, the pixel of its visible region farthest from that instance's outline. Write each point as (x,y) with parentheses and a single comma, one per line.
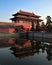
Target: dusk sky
(39,7)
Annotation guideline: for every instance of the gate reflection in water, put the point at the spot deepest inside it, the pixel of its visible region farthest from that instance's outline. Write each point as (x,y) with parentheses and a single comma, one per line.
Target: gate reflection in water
(26,52)
(23,48)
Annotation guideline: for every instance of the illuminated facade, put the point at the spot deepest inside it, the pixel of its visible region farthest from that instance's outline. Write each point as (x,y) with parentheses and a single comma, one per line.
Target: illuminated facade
(25,19)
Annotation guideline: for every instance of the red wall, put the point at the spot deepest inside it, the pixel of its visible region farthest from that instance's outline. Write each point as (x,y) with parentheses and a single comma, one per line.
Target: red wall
(3,30)
(10,30)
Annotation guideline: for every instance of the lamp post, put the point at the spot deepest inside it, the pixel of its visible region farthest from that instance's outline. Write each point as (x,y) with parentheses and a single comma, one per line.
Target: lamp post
(37,26)
(32,29)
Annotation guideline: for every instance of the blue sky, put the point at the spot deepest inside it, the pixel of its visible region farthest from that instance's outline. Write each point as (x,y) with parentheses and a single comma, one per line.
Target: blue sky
(39,7)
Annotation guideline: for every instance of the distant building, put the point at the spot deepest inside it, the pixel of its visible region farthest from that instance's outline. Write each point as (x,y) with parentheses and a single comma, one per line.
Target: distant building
(6,27)
(25,18)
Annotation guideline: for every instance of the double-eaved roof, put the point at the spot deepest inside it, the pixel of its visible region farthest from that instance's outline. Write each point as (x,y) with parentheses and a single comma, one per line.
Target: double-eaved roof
(25,15)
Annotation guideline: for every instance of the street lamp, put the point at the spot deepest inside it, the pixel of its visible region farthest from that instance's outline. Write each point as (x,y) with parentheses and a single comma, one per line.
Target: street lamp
(32,29)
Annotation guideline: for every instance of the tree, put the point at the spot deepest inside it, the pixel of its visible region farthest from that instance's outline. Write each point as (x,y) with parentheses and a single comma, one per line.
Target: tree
(42,26)
(48,26)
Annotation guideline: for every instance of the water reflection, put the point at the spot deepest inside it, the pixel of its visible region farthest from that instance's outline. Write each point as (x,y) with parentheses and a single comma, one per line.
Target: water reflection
(16,51)
(25,48)
(6,42)
(49,52)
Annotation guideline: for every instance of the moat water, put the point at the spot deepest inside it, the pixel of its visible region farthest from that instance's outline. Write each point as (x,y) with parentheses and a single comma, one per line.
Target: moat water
(25,52)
